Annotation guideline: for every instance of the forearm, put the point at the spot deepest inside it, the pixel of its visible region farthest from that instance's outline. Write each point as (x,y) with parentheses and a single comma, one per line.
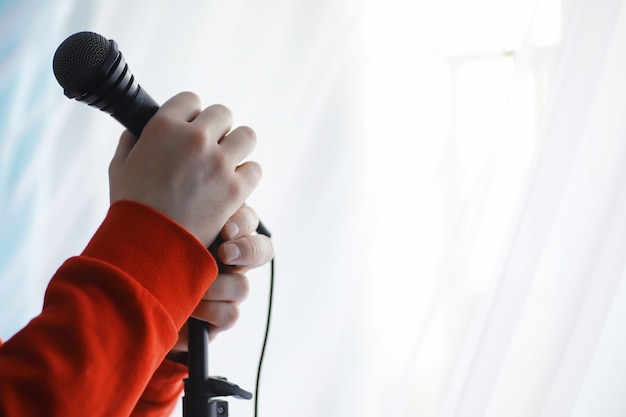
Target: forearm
(163,391)
(107,321)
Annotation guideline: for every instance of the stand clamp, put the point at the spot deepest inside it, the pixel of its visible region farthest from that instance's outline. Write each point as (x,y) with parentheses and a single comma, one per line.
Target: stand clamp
(198,400)
(199,388)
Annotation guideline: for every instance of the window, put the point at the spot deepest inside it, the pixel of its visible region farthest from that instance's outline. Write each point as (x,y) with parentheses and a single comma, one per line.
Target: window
(454,93)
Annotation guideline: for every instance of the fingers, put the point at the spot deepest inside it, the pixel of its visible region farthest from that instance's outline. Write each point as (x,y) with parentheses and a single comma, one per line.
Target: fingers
(243,222)
(219,314)
(249,173)
(241,247)
(219,306)
(217,120)
(239,143)
(183,106)
(231,287)
(214,123)
(247,251)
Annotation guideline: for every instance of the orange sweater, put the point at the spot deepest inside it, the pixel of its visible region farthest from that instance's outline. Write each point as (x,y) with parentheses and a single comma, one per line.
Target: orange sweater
(109,318)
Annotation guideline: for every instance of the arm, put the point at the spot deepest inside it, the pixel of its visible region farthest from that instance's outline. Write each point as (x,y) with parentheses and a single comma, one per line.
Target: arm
(107,321)
(111,314)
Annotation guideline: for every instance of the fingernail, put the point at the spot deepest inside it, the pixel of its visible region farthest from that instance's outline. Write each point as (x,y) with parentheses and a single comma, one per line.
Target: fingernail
(231,251)
(232,230)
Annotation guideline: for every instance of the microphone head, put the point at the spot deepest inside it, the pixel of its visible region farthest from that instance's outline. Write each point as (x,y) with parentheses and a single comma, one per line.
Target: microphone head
(81,62)
(92,70)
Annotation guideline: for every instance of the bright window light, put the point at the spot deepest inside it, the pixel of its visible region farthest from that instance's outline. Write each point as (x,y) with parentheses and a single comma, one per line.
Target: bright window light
(452,114)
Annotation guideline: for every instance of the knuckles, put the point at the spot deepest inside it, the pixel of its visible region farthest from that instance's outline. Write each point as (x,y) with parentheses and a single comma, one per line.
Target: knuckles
(235,189)
(248,132)
(195,138)
(221,111)
(190,96)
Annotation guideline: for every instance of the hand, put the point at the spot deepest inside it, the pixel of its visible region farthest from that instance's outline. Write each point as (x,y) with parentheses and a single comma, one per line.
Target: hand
(186,165)
(220,305)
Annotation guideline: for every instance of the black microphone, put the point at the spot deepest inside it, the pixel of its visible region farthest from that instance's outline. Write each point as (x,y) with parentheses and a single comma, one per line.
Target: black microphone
(91,69)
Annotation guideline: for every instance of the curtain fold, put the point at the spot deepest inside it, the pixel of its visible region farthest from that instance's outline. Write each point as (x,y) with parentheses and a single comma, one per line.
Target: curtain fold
(532,347)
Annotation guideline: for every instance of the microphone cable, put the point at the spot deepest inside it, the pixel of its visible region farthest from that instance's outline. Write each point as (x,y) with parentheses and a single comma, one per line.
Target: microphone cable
(265,337)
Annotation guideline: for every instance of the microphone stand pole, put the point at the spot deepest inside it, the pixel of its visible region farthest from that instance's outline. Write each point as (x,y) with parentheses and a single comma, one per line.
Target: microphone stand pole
(200,389)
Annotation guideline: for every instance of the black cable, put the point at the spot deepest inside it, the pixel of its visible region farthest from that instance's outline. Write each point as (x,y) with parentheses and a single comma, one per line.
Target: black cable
(267,330)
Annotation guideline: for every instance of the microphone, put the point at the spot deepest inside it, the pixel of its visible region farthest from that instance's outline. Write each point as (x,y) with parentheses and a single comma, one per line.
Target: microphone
(91,69)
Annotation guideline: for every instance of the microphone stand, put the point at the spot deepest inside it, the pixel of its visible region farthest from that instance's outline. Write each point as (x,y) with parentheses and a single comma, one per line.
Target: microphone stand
(200,389)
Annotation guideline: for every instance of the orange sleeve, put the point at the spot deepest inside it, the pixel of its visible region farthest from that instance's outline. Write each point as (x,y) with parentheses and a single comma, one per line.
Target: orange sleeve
(163,392)
(109,318)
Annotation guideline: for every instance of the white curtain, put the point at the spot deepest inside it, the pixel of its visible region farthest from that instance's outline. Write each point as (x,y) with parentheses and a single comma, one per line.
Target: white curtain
(548,340)
(418,274)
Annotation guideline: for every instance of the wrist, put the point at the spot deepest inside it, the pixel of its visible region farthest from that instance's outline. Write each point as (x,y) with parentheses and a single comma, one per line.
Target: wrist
(155,252)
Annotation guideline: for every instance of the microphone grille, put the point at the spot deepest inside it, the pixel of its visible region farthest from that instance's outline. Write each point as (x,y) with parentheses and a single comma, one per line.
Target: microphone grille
(78,59)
